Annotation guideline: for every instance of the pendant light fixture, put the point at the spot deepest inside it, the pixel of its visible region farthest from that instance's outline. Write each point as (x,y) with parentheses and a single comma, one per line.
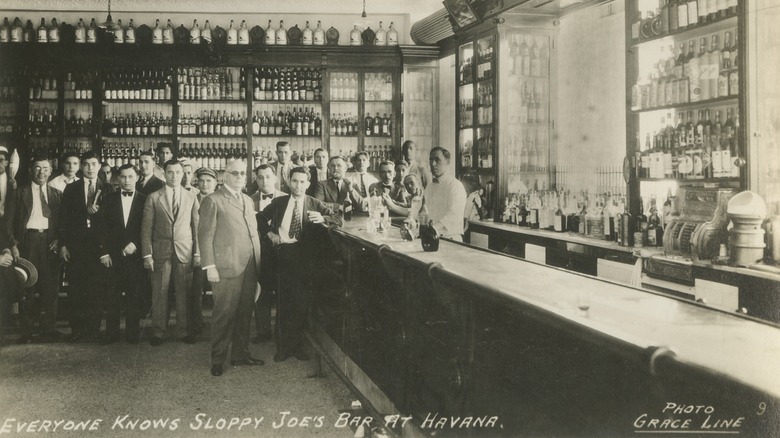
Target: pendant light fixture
(109,24)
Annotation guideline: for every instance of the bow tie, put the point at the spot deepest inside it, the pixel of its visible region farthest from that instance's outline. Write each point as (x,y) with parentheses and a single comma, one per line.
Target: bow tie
(387,187)
(436,180)
(127,193)
(264,197)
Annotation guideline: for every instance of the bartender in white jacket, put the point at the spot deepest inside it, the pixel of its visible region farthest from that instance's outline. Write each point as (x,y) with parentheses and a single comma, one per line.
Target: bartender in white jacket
(444,197)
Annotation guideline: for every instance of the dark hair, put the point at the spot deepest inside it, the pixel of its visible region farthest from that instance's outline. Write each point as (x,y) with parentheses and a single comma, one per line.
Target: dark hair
(405,146)
(5,154)
(171,162)
(318,150)
(401,162)
(361,153)
(337,157)
(146,153)
(263,167)
(38,157)
(302,170)
(387,163)
(444,152)
(125,167)
(162,145)
(104,163)
(70,154)
(281,144)
(88,155)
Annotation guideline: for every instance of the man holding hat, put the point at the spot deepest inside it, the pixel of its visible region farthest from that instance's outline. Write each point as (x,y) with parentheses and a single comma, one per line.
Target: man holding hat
(36,232)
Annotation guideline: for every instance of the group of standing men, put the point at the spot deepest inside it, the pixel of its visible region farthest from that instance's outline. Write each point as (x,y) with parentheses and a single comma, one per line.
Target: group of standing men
(188,240)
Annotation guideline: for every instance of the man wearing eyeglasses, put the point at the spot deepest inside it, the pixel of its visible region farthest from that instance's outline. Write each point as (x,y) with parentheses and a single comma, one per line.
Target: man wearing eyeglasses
(231,258)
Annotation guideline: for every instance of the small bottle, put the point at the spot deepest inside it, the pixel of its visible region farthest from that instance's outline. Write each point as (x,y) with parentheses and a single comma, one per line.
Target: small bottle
(195,33)
(355,37)
(43,32)
(270,35)
(119,33)
(205,34)
(168,33)
(392,36)
(243,33)
(157,33)
(130,33)
(381,36)
(319,35)
(5,31)
(347,209)
(232,35)
(308,35)
(92,32)
(281,34)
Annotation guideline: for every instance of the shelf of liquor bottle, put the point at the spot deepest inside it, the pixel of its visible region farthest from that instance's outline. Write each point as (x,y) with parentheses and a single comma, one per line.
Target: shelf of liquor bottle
(379,100)
(295,136)
(161,101)
(724,100)
(44,99)
(331,101)
(74,100)
(181,101)
(723,180)
(167,136)
(53,135)
(692,32)
(299,101)
(210,136)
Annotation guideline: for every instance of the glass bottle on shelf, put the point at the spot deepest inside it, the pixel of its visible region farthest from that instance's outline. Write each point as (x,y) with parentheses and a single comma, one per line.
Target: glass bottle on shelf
(319,35)
(355,37)
(270,35)
(195,33)
(168,33)
(205,34)
(392,36)
(5,31)
(232,34)
(43,32)
(157,33)
(281,34)
(381,36)
(243,33)
(308,35)
(92,32)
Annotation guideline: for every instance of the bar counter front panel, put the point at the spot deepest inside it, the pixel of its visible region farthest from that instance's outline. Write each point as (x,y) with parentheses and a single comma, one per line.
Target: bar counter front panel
(464,332)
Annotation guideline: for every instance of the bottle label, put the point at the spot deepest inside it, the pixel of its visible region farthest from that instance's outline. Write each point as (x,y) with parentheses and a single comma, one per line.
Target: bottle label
(91,36)
(232,36)
(157,36)
(734,83)
(130,36)
(194,36)
(319,38)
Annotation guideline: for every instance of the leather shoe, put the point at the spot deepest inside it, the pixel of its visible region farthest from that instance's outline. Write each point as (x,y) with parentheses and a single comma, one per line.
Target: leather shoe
(300,354)
(156,341)
(216,370)
(189,339)
(248,361)
(280,357)
(259,339)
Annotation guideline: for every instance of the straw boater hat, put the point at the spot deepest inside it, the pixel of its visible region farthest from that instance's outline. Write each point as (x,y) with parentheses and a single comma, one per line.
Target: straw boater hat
(25,273)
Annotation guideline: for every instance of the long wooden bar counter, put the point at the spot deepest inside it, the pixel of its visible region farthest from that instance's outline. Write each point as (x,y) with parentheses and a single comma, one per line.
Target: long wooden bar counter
(465,332)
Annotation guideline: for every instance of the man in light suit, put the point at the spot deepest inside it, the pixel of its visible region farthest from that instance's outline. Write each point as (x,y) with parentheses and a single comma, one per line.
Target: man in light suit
(36,228)
(120,244)
(283,165)
(231,259)
(169,248)
(294,224)
(79,245)
(266,182)
(336,189)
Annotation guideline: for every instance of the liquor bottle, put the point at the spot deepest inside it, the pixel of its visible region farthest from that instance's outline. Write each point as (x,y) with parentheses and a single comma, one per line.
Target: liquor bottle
(715,142)
(725,67)
(693,13)
(130,33)
(674,18)
(5,31)
(243,33)
(281,34)
(308,35)
(392,36)
(54,31)
(682,14)
(694,74)
(17,31)
(119,33)
(734,74)
(355,37)
(641,224)
(168,33)
(369,125)
(195,33)
(232,34)
(654,229)
(92,32)
(157,33)
(703,8)
(663,13)
(43,32)
(381,36)
(713,73)
(319,35)
(270,35)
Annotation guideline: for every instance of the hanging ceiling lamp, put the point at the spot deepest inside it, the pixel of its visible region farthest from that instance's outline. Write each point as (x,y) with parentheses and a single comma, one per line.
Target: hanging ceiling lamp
(109,24)
(364,10)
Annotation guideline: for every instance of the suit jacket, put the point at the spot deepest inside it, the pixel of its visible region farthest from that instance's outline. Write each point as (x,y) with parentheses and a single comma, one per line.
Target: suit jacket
(224,227)
(73,215)
(24,207)
(257,197)
(315,180)
(9,210)
(271,218)
(161,233)
(152,185)
(329,193)
(114,234)
(282,175)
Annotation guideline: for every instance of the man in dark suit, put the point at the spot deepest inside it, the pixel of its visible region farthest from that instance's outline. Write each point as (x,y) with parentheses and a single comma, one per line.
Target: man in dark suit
(80,245)
(293,224)
(148,182)
(318,171)
(169,250)
(36,227)
(120,245)
(336,189)
(8,282)
(7,194)
(231,259)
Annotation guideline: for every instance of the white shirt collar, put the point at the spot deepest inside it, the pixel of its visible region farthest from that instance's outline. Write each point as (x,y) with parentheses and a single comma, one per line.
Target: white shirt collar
(231,191)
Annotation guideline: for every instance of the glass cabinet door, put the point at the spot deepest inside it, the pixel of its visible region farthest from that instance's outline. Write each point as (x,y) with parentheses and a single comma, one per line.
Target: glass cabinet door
(379,120)
(344,112)
(420,109)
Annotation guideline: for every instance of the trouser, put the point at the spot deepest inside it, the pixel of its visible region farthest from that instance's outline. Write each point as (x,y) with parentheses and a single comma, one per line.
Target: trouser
(85,281)
(8,286)
(127,275)
(292,300)
(232,316)
(36,250)
(263,310)
(181,276)
(199,286)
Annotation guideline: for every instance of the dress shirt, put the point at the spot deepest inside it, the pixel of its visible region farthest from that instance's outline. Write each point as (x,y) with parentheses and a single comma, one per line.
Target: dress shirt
(127,203)
(37,221)
(445,201)
(234,193)
(322,174)
(368,179)
(61,181)
(86,189)
(397,192)
(169,193)
(262,200)
(3,191)
(282,176)
(284,227)
(421,171)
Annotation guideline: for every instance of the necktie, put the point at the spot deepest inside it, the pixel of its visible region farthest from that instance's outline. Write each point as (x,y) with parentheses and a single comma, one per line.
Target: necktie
(295,223)
(362,186)
(91,193)
(45,210)
(436,180)
(127,193)
(141,181)
(175,204)
(264,197)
